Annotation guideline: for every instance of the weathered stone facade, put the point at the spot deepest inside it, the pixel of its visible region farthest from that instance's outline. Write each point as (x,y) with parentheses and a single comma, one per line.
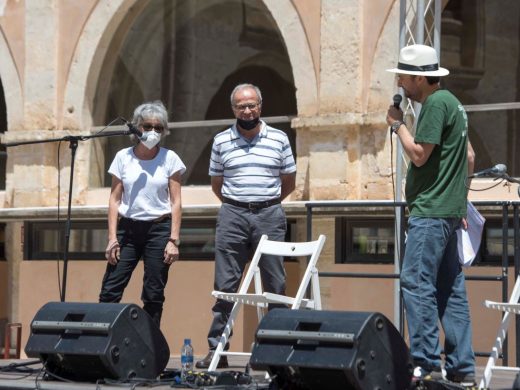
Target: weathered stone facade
(335,92)
(54,69)
(57,61)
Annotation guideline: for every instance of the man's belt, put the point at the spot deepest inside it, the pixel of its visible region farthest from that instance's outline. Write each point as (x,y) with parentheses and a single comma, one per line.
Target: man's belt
(252,205)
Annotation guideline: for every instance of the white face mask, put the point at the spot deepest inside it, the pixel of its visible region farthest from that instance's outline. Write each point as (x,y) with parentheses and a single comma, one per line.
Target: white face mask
(150,138)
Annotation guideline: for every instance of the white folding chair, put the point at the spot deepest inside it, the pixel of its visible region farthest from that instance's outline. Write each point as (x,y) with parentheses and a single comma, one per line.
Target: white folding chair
(510,308)
(262,299)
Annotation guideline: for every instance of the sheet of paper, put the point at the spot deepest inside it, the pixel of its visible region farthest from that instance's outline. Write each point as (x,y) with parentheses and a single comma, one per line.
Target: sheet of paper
(469,240)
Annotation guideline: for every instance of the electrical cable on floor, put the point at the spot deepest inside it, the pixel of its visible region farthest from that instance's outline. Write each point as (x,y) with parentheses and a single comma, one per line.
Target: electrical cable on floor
(18,371)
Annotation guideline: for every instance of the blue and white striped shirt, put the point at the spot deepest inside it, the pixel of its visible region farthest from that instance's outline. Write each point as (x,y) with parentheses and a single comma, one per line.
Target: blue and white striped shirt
(251,169)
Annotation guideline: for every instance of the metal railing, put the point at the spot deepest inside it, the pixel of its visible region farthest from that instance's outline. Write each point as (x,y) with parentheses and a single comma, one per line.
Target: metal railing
(342,208)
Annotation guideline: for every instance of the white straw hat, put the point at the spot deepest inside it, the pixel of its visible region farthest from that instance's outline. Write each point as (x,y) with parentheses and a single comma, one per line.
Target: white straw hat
(419,60)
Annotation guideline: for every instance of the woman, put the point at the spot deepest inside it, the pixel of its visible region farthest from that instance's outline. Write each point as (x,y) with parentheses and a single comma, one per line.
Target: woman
(144,212)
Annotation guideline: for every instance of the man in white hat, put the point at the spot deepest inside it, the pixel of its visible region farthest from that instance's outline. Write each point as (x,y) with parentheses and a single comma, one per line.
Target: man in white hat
(441,158)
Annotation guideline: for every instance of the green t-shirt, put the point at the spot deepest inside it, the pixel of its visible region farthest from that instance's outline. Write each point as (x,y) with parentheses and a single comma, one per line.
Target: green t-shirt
(437,189)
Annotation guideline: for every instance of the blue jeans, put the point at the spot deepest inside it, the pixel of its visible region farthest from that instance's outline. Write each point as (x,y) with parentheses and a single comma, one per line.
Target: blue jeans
(433,288)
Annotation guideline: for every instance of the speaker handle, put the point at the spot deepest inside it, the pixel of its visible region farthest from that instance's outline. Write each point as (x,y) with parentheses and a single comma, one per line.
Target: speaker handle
(85,327)
(330,337)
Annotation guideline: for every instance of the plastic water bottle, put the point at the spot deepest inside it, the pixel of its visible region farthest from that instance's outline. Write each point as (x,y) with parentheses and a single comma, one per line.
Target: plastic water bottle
(186,359)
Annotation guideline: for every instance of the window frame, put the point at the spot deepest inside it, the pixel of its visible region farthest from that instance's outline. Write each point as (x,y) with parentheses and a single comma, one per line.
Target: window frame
(483,258)
(344,244)
(32,239)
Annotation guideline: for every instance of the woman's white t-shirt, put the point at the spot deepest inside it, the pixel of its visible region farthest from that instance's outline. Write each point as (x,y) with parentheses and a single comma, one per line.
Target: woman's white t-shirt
(145,182)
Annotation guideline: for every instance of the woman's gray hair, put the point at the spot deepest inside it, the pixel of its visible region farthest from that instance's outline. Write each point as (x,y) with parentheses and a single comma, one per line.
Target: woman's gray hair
(151,110)
(240,87)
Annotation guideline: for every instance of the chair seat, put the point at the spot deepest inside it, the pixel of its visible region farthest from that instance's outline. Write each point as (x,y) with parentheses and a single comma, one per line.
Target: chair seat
(506,307)
(262,300)
(508,369)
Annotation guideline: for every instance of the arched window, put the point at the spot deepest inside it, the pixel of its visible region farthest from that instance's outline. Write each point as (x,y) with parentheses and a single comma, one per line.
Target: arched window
(190,55)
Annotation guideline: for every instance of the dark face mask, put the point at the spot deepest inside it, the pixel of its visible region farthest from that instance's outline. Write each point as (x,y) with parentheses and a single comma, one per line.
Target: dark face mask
(248,124)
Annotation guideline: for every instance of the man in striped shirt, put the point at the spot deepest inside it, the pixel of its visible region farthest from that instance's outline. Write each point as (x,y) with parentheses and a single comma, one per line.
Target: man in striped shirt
(252,170)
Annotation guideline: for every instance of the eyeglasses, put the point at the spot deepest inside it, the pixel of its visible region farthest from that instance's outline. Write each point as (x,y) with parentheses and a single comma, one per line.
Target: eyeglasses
(148,127)
(243,107)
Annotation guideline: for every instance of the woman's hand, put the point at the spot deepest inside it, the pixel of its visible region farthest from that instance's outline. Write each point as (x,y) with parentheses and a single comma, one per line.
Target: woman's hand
(112,252)
(171,253)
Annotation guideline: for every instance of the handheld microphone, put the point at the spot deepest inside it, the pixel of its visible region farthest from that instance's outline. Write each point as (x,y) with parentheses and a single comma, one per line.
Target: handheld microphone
(134,130)
(496,171)
(397,100)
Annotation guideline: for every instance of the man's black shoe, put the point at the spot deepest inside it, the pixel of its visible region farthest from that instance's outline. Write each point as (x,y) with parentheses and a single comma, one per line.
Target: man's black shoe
(466,380)
(204,363)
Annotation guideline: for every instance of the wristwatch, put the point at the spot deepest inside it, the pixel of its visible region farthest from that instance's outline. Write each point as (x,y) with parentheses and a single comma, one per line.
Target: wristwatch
(175,241)
(395,126)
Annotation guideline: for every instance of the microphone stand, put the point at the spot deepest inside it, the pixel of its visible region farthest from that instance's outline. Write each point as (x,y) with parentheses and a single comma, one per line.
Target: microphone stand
(73,145)
(512,180)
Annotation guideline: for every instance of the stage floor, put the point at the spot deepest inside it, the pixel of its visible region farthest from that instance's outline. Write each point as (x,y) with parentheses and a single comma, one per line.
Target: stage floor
(34,380)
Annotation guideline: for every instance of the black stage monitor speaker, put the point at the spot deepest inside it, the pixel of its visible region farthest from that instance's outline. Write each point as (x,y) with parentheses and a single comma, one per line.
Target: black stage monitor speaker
(89,341)
(314,349)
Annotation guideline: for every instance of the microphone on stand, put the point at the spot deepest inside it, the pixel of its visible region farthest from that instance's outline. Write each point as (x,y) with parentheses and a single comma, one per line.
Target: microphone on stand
(498,170)
(134,130)
(397,100)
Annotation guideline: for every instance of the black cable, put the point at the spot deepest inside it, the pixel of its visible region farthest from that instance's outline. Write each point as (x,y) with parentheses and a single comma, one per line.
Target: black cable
(58,255)
(484,189)
(19,369)
(37,378)
(15,366)
(55,376)
(15,375)
(397,246)
(191,383)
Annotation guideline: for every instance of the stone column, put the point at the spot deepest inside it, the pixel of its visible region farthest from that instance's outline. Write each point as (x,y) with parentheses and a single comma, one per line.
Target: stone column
(342,157)
(38,163)
(344,151)
(341,49)
(41,64)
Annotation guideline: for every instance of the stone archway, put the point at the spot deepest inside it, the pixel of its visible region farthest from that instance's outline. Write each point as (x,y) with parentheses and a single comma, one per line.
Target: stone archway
(103,33)
(104,23)
(13,95)
(12,86)
(92,47)
(295,37)
(12,90)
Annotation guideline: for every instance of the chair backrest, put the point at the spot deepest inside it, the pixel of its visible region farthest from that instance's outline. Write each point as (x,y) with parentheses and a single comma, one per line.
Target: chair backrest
(310,277)
(307,248)
(288,249)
